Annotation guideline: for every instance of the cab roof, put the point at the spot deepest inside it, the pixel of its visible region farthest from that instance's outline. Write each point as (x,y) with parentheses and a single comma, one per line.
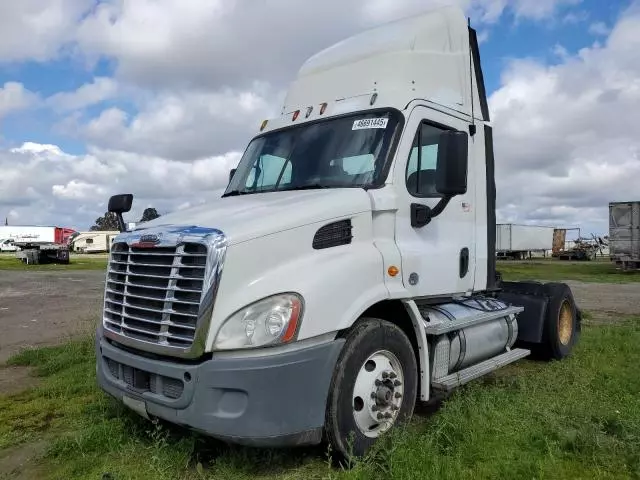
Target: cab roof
(432,57)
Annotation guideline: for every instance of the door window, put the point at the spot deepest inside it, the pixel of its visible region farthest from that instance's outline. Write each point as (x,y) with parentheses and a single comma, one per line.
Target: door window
(421,167)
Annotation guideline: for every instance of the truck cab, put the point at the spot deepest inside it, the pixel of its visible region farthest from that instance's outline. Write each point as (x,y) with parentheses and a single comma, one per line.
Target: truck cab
(7,245)
(347,272)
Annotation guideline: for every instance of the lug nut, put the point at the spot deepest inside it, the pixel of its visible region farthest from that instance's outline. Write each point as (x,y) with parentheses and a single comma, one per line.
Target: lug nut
(397,383)
(395,407)
(380,416)
(385,375)
(373,395)
(378,383)
(392,375)
(387,415)
(398,395)
(374,408)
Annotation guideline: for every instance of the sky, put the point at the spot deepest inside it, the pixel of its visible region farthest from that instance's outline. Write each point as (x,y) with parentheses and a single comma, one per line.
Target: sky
(160,97)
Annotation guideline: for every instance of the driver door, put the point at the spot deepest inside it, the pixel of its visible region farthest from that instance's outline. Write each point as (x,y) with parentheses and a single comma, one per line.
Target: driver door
(438,258)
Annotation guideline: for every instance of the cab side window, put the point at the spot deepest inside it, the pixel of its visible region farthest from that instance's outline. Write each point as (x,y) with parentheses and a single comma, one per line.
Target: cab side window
(421,167)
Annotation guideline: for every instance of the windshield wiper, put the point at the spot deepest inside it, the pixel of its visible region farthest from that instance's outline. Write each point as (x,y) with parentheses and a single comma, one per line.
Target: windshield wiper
(313,186)
(234,193)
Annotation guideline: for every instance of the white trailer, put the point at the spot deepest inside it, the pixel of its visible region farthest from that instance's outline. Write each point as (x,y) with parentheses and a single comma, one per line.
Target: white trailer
(94,242)
(347,272)
(518,241)
(29,233)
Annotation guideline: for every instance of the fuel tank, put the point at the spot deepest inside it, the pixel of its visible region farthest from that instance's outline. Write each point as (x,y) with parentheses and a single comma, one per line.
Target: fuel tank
(473,342)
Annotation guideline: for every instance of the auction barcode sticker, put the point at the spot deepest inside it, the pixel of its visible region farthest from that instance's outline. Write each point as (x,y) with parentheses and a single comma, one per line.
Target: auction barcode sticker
(370,123)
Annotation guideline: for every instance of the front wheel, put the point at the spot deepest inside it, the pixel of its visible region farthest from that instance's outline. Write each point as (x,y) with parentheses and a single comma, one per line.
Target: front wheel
(373,387)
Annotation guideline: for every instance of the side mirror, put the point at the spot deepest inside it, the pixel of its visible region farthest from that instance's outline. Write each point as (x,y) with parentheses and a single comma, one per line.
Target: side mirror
(231,173)
(120,204)
(453,159)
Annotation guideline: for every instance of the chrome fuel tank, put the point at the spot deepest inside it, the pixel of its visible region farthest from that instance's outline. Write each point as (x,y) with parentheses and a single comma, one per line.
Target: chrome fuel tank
(474,341)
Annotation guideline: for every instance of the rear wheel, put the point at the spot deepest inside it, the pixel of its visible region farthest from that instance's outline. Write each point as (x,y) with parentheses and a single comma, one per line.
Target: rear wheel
(562,324)
(373,387)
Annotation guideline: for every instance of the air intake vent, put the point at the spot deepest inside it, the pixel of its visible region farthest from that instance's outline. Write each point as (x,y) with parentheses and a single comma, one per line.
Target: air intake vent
(333,235)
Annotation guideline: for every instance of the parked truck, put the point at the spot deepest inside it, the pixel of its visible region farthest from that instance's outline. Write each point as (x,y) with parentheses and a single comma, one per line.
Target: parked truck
(624,234)
(39,244)
(519,241)
(347,272)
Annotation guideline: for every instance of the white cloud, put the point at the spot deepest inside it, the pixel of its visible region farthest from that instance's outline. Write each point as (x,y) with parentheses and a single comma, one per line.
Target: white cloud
(43,184)
(184,125)
(599,28)
(101,89)
(566,135)
(483,36)
(37,29)
(214,44)
(14,97)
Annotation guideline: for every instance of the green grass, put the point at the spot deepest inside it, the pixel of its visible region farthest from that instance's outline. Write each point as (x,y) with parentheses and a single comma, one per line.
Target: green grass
(579,418)
(76,262)
(558,270)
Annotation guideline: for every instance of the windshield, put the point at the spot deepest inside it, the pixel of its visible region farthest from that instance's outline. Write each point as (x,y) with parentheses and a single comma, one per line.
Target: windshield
(349,151)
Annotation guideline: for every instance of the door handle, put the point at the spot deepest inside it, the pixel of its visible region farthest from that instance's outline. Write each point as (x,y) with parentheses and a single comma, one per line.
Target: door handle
(464,262)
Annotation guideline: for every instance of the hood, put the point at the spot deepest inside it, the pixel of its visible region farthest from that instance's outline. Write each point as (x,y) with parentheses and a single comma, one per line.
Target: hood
(246,217)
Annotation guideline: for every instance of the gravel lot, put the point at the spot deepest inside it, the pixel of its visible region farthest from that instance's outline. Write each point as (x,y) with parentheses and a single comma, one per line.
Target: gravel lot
(40,308)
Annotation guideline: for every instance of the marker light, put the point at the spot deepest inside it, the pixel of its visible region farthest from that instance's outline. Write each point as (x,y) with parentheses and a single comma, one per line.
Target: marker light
(323,107)
(309,110)
(295,115)
(393,271)
(264,124)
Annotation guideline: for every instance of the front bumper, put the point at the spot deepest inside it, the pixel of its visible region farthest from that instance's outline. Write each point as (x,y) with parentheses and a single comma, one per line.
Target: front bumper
(271,400)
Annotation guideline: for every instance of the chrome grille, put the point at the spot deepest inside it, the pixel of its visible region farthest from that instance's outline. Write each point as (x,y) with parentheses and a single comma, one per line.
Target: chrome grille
(154,294)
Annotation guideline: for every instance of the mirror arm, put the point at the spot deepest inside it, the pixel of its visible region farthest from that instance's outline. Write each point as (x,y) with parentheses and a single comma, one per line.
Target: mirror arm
(440,206)
(121,225)
(422,215)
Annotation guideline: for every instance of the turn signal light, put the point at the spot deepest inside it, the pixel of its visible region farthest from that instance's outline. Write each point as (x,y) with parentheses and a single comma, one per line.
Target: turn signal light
(323,107)
(295,115)
(393,271)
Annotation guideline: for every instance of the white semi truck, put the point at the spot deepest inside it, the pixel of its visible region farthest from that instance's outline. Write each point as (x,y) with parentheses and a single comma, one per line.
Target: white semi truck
(347,272)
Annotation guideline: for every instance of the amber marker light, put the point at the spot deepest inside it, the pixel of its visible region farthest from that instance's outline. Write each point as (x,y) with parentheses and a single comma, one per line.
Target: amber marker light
(393,271)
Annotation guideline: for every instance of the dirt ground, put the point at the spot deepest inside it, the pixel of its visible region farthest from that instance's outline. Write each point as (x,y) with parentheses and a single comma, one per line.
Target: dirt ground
(606,300)
(42,308)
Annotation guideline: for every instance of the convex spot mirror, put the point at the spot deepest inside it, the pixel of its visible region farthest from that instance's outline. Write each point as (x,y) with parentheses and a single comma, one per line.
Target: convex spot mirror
(121,203)
(452,162)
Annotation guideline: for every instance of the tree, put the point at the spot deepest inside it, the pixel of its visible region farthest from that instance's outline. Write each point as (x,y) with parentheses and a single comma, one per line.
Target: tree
(108,222)
(149,214)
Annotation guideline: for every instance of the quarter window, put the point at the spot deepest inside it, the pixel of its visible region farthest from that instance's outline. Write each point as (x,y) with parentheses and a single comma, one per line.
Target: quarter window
(421,167)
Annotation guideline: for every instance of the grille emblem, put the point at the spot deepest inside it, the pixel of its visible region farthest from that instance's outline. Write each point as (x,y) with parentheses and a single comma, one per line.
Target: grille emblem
(146,241)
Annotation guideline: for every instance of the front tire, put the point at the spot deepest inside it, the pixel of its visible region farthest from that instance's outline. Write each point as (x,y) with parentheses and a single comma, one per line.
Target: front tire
(373,388)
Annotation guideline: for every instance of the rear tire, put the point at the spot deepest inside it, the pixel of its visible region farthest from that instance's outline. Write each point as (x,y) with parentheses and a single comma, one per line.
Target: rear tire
(562,323)
(373,388)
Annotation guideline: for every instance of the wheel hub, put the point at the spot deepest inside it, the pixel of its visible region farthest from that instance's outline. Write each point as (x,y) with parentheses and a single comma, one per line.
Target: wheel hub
(565,323)
(378,393)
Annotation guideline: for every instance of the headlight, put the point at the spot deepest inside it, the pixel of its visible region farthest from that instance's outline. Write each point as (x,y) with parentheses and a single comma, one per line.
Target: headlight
(270,321)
